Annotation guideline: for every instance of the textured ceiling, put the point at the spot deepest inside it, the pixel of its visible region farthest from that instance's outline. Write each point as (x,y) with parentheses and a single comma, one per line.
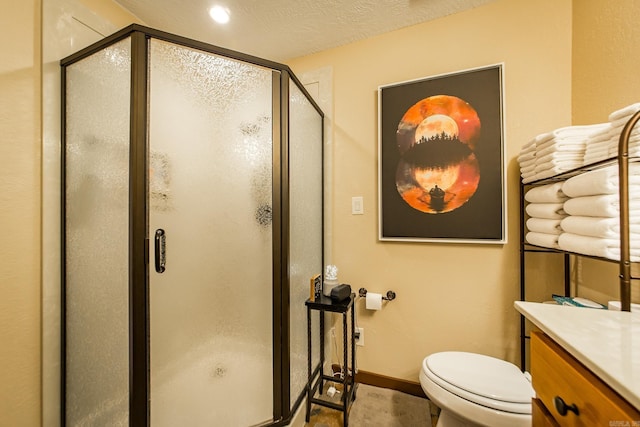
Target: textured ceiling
(284,29)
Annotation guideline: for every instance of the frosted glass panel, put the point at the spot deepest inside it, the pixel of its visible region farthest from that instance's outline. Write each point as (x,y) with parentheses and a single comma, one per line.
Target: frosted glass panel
(97,235)
(305,175)
(211,191)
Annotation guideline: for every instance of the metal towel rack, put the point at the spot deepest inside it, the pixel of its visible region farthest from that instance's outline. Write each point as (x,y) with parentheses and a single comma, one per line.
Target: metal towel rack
(623,176)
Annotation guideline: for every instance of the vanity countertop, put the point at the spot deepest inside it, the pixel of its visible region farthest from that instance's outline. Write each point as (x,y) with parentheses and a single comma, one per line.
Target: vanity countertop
(605,341)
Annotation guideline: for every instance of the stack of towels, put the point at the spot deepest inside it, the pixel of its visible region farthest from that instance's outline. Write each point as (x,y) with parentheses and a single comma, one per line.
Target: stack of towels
(604,145)
(555,152)
(582,214)
(571,147)
(546,211)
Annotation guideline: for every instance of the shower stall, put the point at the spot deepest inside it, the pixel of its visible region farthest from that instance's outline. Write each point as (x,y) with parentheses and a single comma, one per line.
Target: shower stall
(192,194)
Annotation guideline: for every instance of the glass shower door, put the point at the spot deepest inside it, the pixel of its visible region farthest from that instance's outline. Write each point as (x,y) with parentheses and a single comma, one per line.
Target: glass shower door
(96,225)
(210,195)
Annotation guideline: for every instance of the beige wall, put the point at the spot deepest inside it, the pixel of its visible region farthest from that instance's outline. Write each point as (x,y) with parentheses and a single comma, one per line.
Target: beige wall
(22,278)
(606,37)
(449,296)
(20,193)
(67,26)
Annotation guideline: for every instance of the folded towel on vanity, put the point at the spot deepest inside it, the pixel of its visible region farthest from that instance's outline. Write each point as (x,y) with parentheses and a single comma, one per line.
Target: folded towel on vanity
(550,193)
(599,181)
(546,210)
(595,246)
(603,205)
(543,239)
(608,228)
(544,225)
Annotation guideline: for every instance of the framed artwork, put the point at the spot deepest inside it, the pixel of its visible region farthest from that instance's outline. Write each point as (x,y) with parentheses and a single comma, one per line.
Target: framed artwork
(441,165)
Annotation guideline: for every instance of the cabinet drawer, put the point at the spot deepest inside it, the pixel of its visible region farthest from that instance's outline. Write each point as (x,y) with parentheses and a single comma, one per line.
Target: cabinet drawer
(540,415)
(557,374)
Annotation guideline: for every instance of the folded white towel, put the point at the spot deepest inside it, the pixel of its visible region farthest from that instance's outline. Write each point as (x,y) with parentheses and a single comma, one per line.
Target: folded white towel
(543,239)
(557,159)
(579,130)
(545,210)
(527,157)
(618,125)
(603,205)
(634,136)
(562,145)
(578,148)
(553,170)
(550,193)
(595,246)
(528,163)
(542,138)
(600,134)
(634,253)
(588,160)
(608,228)
(543,225)
(557,166)
(627,111)
(599,181)
(602,139)
(602,148)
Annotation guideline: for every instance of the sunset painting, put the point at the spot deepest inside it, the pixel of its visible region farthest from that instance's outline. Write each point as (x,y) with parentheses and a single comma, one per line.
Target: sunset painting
(438,171)
(441,159)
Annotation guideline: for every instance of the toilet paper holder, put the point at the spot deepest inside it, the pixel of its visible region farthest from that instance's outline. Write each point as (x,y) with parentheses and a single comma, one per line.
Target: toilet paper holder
(390,294)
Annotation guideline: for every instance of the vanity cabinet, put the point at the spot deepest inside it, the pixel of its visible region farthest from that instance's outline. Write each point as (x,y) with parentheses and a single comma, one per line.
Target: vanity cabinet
(569,394)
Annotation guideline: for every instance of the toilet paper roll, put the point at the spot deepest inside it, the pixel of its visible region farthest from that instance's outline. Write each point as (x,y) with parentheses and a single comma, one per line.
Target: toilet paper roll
(374,301)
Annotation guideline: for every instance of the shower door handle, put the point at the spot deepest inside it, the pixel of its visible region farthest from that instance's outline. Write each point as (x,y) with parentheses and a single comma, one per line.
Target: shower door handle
(160,252)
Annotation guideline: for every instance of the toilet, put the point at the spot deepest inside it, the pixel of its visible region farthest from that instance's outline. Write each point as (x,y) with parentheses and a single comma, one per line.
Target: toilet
(476,390)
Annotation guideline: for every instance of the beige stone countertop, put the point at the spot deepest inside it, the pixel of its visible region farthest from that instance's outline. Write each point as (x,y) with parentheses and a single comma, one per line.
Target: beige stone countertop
(605,341)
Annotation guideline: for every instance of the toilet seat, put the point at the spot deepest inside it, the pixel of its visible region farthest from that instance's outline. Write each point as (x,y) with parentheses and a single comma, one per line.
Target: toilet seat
(480,379)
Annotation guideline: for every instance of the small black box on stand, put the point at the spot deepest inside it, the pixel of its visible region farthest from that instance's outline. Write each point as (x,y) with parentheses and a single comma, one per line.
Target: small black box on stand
(341,292)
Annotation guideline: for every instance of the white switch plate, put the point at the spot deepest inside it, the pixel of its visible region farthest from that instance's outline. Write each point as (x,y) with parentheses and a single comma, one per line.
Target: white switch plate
(357,205)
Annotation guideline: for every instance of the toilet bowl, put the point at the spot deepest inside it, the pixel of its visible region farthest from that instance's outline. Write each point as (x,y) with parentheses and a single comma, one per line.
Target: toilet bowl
(476,390)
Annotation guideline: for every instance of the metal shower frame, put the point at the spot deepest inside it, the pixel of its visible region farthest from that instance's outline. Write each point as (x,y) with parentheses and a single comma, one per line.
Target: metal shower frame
(139,336)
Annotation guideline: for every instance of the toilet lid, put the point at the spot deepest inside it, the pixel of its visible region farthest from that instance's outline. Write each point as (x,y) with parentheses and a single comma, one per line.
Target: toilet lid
(482,376)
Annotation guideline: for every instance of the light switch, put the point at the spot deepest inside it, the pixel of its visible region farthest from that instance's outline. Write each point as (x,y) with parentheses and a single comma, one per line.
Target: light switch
(357,205)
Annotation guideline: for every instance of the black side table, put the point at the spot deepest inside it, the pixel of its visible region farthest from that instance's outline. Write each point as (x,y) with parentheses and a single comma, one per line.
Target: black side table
(317,377)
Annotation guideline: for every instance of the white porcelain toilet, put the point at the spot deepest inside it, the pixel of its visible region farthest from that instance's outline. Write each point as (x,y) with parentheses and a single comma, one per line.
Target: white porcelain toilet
(476,390)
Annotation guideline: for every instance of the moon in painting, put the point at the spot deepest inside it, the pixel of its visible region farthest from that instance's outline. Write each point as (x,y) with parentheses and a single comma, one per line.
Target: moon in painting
(435,126)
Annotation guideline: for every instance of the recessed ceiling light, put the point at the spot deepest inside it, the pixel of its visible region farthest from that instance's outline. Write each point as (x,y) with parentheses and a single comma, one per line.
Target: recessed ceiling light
(219,14)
